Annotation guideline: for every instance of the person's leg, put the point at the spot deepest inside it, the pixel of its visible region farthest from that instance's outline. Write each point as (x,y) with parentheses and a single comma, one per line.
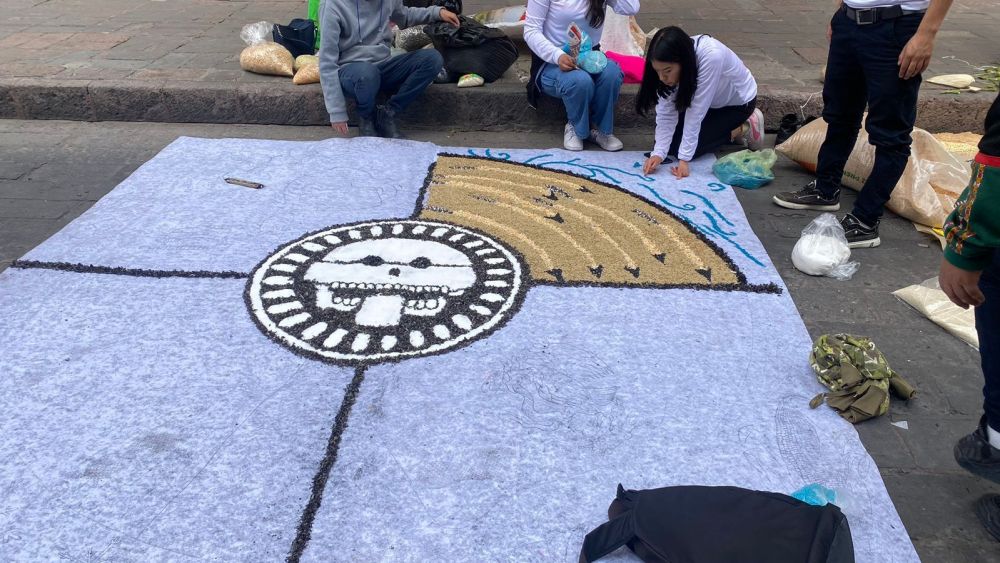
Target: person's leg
(988,327)
(361,82)
(843,104)
(406,76)
(607,85)
(844,98)
(718,125)
(976,452)
(892,111)
(575,89)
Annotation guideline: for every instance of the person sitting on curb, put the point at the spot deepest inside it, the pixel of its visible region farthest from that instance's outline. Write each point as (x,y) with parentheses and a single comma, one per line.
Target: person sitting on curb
(705,98)
(589,99)
(355,61)
(878,49)
(970,277)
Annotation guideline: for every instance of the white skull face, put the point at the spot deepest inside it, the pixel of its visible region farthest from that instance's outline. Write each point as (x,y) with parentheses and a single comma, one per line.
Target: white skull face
(384,279)
(385,290)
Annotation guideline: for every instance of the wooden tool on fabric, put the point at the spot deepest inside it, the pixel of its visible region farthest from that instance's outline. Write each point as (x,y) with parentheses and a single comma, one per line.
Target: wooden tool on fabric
(244,183)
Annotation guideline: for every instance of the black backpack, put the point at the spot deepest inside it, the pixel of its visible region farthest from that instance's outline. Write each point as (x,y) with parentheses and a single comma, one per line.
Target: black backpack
(299,36)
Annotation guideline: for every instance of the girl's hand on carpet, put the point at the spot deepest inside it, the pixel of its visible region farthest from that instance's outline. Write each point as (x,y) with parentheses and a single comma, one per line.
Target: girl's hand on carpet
(339,128)
(566,63)
(652,163)
(681,170)
(961,286)
(450,17)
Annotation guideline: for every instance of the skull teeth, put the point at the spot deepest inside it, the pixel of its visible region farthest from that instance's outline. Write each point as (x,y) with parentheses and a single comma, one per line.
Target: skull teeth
(395,287)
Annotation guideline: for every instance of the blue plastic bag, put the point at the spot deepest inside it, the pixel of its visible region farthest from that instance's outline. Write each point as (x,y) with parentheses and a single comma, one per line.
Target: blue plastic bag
(746,169)
(579,46)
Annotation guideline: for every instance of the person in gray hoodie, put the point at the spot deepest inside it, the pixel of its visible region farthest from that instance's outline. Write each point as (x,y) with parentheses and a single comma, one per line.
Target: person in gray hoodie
(355,61)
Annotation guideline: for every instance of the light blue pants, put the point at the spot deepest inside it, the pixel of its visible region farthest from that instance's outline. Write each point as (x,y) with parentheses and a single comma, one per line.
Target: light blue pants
(588,98)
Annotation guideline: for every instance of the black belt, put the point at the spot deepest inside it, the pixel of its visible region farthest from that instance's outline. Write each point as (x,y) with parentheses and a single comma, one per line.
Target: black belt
(868,16)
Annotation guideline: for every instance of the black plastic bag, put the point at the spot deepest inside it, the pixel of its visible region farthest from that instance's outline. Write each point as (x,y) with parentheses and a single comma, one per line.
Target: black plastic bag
(473,48)
(470,34)
(299,36)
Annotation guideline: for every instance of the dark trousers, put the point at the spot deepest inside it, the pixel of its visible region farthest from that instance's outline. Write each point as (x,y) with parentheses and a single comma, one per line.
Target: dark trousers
(988,327)
(716,129)
(863,67)
(404,77)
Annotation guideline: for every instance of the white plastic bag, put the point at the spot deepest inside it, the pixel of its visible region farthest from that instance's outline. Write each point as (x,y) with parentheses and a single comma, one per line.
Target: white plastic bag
(823,250)
(622,35)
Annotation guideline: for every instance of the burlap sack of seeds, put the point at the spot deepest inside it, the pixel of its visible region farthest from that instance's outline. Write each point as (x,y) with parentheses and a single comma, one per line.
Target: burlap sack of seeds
(307,74)
(932,182)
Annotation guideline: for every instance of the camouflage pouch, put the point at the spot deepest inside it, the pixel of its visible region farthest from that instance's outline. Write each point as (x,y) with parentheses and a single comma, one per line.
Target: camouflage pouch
(858,376)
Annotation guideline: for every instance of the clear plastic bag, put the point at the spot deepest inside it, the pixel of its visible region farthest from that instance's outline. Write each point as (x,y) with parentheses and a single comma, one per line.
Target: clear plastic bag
(579,46)
(823,251)
(262,55)
(746,169)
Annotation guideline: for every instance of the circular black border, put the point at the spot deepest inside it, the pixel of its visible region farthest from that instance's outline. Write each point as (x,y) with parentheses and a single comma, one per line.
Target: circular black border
(515,304)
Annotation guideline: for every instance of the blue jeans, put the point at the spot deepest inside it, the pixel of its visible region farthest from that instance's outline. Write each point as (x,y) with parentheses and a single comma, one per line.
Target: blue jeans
(862,68)
(988,327)
(404,77)
(588,98)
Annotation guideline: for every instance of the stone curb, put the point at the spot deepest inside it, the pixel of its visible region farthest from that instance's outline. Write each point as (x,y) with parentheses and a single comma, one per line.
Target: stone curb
(500,106)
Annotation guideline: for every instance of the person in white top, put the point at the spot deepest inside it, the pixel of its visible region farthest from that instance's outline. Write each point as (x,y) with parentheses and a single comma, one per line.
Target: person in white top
(589,99)
(705,98)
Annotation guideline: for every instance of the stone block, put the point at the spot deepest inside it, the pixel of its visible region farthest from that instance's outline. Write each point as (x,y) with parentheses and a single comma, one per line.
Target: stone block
(53,99)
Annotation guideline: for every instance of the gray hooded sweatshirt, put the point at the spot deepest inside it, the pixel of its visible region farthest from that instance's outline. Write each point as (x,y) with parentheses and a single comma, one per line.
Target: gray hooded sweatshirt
(353,31)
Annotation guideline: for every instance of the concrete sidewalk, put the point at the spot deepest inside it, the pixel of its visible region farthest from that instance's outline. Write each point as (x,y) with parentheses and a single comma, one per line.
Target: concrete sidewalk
(177,61)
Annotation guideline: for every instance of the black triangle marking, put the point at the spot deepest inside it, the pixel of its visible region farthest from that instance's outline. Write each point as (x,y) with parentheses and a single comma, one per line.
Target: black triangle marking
(707,272)
(661,257)
(557,274)
(597,271)
(633,271)
(557,218)
(586,190)
(552,195)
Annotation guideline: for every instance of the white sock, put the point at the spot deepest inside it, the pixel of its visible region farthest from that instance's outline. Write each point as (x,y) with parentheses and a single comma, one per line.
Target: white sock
(994,436)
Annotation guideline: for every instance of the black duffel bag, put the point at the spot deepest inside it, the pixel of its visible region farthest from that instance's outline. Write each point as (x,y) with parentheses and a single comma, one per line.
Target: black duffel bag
(473,48)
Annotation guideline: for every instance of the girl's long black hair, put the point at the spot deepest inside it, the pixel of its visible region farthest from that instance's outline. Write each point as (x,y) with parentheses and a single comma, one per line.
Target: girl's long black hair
(669,45)
(596,13)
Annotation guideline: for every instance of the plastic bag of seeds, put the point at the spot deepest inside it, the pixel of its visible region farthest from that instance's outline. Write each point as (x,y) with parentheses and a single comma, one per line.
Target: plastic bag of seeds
(262,55)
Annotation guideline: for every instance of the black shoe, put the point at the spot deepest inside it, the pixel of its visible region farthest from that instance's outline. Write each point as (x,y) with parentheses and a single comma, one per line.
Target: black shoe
(975,454)
(366,127)
(809,197)
(385,122)
(789,125)
(860,235)
(988,511)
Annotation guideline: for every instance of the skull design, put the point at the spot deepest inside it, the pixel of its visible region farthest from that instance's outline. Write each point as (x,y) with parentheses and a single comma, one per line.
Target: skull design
(383,279)
(385,290)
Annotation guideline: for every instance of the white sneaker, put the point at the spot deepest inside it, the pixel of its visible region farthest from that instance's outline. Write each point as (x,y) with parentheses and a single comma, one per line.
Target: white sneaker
(607,142)
(570,141)
(753,134)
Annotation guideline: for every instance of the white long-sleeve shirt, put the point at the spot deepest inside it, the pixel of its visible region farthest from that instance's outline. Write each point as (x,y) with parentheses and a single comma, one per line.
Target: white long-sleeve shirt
(910,5)
(723,80)
(546,22)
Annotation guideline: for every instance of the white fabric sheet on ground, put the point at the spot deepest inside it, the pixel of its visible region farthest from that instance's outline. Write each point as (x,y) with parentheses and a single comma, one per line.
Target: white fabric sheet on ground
(151,419)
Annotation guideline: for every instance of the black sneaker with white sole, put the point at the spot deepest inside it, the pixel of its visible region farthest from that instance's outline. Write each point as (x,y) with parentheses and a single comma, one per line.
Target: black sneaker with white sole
(860,235)
(975,454)
(809,197)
